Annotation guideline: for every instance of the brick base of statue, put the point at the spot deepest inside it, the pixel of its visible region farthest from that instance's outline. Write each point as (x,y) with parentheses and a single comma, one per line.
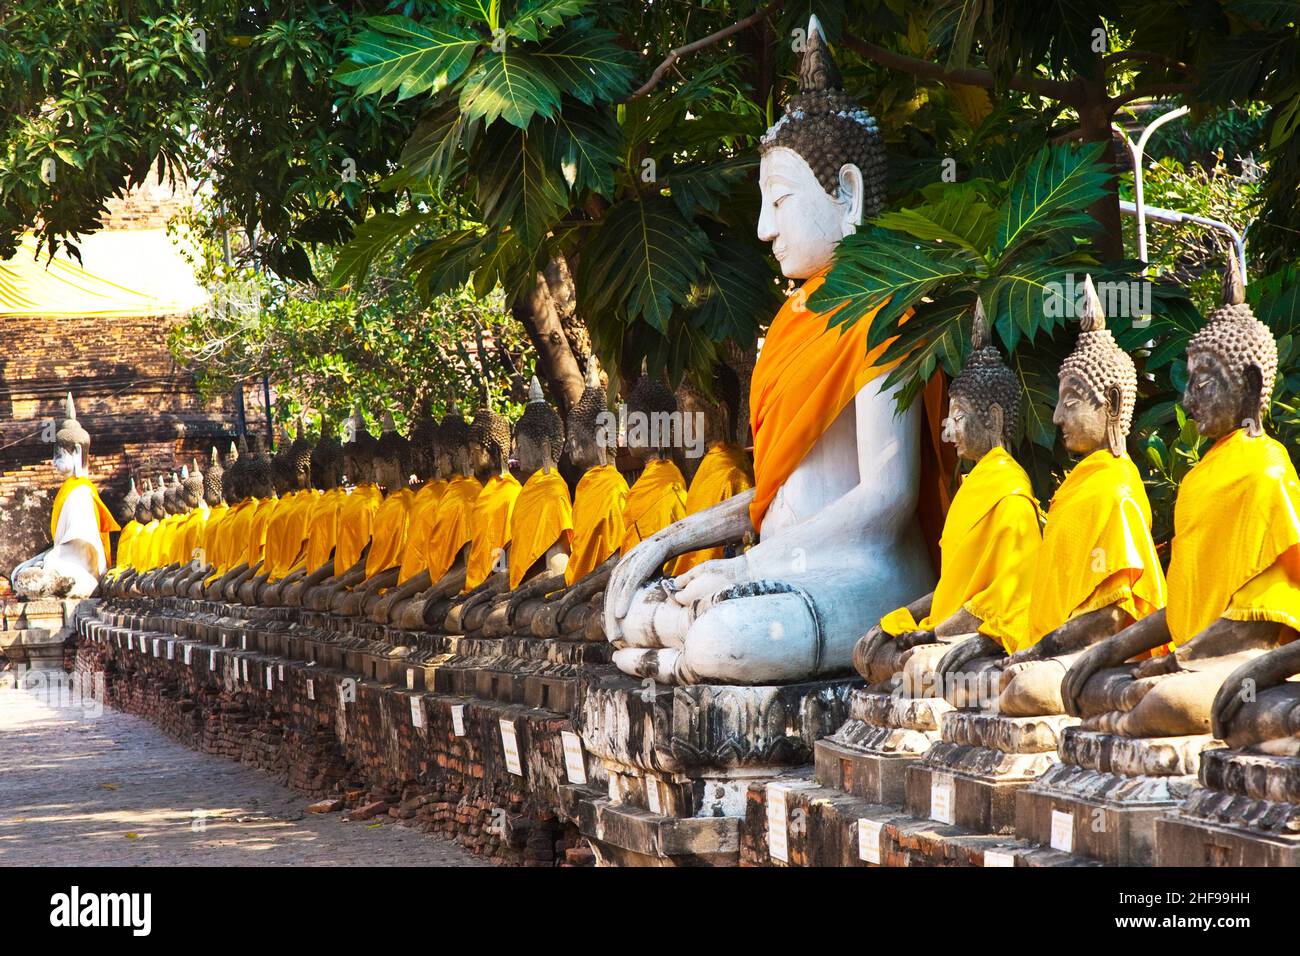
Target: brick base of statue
(1246,812)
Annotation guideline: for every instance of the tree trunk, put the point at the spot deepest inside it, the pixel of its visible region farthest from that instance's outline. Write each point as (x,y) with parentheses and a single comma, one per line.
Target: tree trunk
(540,311)
(1095,116)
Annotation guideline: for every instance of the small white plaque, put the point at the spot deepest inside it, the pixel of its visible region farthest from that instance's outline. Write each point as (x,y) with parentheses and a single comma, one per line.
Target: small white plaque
(212,660)
(245,668)
(869,840)
(281,673)
(999,858)
(941,802)
(574,763)
(270,678)
(1062,831)
(157,647)
(311,689)
(171,650)
(510,745)
(243,642)
(777,822)
(189,654)
(410,678)
(130,642)
(417,712)
(458,719)
(652,800)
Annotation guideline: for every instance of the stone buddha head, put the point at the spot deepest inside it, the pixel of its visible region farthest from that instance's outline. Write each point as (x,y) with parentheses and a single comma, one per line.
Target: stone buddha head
(326,459)
(233,485)
(392,460)
(126,507)
(651,409)
(984,400)
(588,440)
(192,487)
(822,169)
(144,504)
(259,479)
(358,451)
(489,443)
(300,460)
(539,433)
(1231,366)
(423,446)
(171,495)
(214,481)
(282,471)
(71,443)
(158,502)
(1098,386)
(451,453)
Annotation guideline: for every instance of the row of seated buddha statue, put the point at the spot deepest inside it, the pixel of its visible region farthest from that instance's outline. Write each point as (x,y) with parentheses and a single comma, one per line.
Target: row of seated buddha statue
(1070,616)
(435,532)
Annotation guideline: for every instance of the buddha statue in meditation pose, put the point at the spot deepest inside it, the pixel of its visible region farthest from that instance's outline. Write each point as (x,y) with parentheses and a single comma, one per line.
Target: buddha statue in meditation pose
(836,468)
(572,599)
(1234,565)
(286,529)
(167,537)
(1097,570)
(489,524)
(381,566)
(80,524)
(541,525)
(249,531)
(990,542)
(189,579)
(190,532)
(443,448)
(322,524)
(130,530)
(134,561)
(356,519)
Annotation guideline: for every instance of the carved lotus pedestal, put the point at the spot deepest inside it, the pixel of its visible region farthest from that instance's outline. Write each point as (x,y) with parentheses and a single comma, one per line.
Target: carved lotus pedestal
(1246,812)
(886,733)
(676,762)
(971,775)
(1102,801)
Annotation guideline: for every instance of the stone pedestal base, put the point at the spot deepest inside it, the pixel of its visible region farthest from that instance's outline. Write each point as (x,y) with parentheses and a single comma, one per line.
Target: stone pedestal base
(679,761)
(1245,813)
(33,633)
(1103,801)
(970,777)
(869,754)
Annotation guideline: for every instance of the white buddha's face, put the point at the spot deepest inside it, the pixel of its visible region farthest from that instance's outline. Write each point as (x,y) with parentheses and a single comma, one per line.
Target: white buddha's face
(801,220)
(66,460)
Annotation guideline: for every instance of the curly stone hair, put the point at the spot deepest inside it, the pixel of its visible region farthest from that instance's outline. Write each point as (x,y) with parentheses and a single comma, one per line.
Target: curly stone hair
(70,434)
(392,445)
(828,129)
(425,440)
(1099,362)
(258,477)
(985,380)
(492,431)
(326,457)
(586,411)
(214,480)
(539,421)
(650,395)
(1237,339)
(192,485)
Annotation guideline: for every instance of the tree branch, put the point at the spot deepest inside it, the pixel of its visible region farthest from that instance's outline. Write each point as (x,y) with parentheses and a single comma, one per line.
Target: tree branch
(1145,56)
(1151,89)
(1067,92)
(677,53)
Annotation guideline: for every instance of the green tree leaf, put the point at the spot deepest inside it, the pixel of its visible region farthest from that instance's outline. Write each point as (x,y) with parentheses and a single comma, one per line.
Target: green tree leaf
(519,181)
(373,238)
(537,18)
(398,54)
(1050,195)
(512,85)
(588,65)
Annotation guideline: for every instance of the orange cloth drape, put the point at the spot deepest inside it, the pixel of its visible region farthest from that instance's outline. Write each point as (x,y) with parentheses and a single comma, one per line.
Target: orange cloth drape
(805,376)
(424,510)
(542,517)
(452,529)
(725,471)
(392,521)
(598,505)
(104,517)
(656,500)
(489,526)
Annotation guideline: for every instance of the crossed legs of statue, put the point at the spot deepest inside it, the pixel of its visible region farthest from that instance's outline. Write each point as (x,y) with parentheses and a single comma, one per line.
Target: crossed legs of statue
(732,621)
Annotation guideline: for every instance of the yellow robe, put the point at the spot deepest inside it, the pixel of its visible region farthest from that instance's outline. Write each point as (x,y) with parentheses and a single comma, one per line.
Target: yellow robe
(724,472)
(1236,547)
(356,525)
(451,526)
(656,500)
(323,529)
(543,516)
(989,553)
(286,534)
(107,523)
(125,542)
(232,537)
(208,536)
(424,511)
(490,528)
(255,546)
(191,534)
(392,521)
(598,506)
(1097,548)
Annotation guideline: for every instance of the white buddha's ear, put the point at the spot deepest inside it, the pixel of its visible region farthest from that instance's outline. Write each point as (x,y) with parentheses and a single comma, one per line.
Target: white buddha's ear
(849,194)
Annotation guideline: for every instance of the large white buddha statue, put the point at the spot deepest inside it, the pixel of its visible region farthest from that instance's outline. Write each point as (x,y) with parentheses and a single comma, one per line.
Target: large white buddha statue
(836,467)
(80,524)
